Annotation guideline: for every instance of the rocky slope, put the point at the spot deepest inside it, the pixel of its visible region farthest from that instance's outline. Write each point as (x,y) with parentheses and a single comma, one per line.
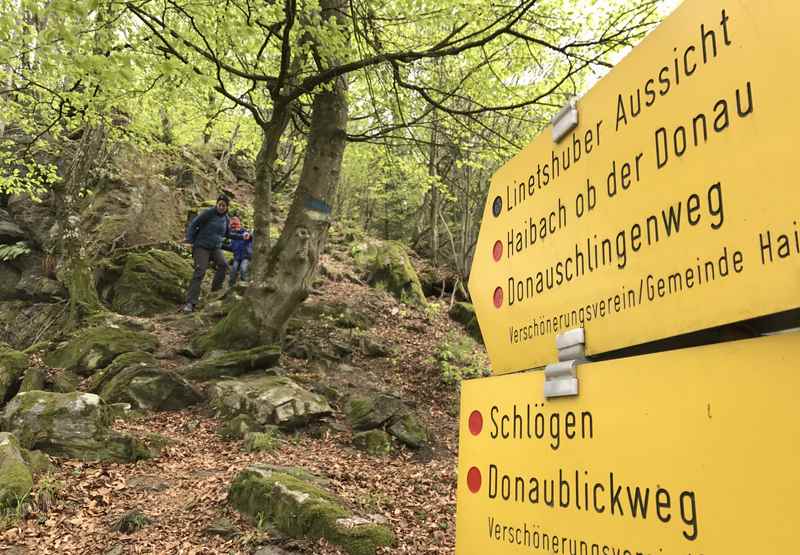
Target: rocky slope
(116,439)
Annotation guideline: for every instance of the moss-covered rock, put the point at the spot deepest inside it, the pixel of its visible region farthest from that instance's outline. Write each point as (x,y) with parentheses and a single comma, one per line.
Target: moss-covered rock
(12,367)
(238,427)
(302,508)
(350,318)
(373,411)
(373,442)
(257,442)
(367,412)
(96,347)
(131,521)
(151,282)
(269,400)
(37,461)
(237,331)
(233,363)
(62,381)
(409,430)
(150,388)
(374,348)
(125,361)
(33,379)
(464,314)
(16,480)
(386,265)
(340,314)
(73,425)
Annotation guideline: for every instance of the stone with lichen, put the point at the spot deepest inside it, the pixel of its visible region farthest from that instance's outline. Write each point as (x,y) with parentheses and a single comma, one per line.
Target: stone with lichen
(73,425)
(299,505)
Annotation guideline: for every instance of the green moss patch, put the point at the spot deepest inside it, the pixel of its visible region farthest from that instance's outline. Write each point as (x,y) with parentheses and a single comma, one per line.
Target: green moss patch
(12,367)
(373,442)
(96,347)
(301,508)
(151,282)
(16,480)
(233,363)
(71,425)
(257,442)
(386,265)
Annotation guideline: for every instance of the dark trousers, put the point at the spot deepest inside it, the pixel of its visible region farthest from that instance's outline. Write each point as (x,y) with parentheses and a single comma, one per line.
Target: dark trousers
(202,257)
(239,269)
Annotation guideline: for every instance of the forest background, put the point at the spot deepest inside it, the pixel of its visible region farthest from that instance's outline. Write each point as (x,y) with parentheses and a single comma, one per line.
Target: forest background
(433,97)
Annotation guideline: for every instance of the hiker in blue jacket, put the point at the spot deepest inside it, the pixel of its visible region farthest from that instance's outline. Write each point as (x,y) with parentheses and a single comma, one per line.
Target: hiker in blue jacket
(242,252)
(206,233)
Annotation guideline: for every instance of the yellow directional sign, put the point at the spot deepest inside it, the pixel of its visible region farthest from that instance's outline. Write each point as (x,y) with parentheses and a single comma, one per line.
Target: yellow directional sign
(674,205)
(691,452)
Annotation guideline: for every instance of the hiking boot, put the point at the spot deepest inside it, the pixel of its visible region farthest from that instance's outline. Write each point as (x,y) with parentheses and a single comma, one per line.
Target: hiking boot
(188,308)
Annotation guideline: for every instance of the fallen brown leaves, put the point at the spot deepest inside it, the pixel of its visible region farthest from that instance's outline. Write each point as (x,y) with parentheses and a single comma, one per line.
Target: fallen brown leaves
(184,490)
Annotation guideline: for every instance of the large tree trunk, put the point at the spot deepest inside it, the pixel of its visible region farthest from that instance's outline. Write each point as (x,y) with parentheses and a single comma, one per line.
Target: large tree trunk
(265,178)
(286,282)
(76,270)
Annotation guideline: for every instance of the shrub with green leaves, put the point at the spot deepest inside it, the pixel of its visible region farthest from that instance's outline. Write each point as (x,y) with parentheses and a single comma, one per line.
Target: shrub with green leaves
(458,358)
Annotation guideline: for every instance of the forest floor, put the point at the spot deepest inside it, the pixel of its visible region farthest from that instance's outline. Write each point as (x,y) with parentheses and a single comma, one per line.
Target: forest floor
(183,491)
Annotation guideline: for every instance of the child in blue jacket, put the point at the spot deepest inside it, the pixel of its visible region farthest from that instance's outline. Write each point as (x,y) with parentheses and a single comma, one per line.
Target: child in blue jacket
(242,251)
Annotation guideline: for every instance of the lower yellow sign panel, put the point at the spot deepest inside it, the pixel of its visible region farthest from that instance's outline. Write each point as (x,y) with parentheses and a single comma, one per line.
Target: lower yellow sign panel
(691,452)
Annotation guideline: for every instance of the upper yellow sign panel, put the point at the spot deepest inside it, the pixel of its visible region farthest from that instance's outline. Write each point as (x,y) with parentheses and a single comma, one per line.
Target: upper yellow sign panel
(674,205)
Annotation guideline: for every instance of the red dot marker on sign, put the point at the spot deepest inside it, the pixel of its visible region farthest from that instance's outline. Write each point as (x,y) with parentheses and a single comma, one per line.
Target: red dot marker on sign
(474,479)
(498,297)
(475,423)
(497,251)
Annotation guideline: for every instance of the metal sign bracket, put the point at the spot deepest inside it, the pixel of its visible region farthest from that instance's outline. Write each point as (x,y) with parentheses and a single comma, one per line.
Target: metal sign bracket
(561,378)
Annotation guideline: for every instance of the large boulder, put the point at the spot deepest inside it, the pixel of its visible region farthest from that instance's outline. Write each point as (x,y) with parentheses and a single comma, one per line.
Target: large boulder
(10,232)
(299,505)
(12,367)
(381,411)
(269,400)
(34,283)
(220,364)
(96,347)
(16,480)
(23,324)
(37,218)
(386,265)
(464,314)
(151,389)
(73,425)
(151,282)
